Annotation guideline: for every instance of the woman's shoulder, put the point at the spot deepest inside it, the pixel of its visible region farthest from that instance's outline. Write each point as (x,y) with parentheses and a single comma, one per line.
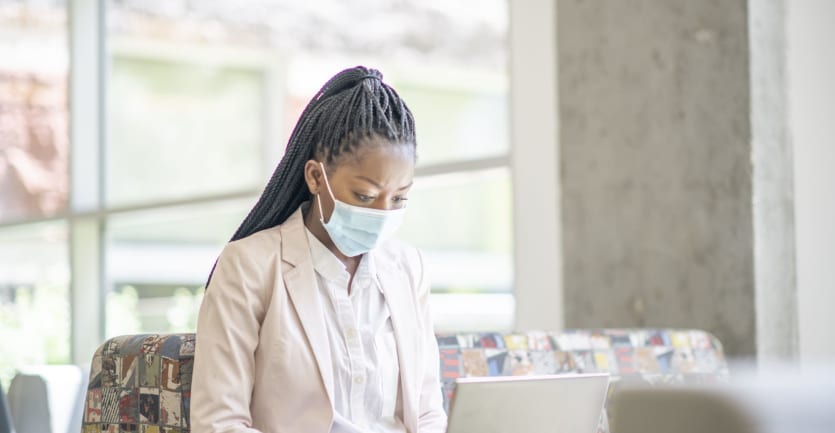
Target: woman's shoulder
(407,260)
(401,254)
(261,244)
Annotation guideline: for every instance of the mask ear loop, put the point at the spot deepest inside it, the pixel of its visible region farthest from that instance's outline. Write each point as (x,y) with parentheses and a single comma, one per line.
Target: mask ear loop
(319,199)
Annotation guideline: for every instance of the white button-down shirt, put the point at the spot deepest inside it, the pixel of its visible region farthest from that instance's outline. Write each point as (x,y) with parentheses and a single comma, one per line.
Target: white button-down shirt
(365,371)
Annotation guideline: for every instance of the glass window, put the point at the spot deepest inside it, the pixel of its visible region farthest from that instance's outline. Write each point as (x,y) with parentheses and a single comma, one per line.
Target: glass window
(461,111)
(34,297)
(33,109)
(193,90)
(463,224)
(456,120)
(180,129)
(158,261)
(200,100)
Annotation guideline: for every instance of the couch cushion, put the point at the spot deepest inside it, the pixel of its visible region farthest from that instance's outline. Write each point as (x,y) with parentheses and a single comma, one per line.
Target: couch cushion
(142,383)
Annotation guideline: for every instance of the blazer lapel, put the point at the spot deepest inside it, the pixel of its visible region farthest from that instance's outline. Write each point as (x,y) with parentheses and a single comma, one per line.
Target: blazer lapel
(397,291)
(300,281)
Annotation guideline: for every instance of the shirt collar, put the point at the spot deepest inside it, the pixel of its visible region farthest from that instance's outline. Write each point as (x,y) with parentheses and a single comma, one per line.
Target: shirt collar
(324,262)
(328,266)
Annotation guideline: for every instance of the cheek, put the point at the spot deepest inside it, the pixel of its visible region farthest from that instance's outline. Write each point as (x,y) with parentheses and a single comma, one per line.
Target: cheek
(325,203)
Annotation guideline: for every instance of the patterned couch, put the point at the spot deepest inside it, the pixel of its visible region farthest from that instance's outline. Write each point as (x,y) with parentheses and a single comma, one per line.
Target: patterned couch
(142,383)
(630,355)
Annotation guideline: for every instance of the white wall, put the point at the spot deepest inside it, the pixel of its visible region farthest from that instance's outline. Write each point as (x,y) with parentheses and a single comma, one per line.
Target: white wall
(811,70)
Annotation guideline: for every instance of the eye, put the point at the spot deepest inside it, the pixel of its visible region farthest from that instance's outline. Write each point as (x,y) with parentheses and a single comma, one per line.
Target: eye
(400,199)
(364,198)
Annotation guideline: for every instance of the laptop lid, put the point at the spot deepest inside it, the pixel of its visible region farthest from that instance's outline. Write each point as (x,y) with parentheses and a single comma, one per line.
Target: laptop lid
(530,404)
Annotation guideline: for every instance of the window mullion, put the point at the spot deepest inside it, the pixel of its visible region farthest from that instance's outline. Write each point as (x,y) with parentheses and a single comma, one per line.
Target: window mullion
(86,19)
(535,165)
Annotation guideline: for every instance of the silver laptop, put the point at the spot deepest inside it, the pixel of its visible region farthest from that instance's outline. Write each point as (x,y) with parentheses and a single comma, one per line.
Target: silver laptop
(529,404)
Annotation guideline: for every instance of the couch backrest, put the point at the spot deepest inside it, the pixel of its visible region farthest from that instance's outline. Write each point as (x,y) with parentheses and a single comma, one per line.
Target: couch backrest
(142,383)
(652,356)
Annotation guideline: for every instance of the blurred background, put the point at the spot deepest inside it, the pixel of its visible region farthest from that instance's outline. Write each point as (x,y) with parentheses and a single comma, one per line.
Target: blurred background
(613,164)
(191,104)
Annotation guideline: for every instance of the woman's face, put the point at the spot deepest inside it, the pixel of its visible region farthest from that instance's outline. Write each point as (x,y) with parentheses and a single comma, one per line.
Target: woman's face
(378,176)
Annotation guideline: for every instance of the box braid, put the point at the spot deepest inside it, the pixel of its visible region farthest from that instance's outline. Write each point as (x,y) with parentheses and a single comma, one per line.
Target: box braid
(351,107)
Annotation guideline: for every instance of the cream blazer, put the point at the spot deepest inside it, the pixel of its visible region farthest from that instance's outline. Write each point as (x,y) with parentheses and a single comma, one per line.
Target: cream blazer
(262,344)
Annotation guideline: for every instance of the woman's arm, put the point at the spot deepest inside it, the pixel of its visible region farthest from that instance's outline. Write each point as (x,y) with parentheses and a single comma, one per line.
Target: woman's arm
(227,335)
(431,415)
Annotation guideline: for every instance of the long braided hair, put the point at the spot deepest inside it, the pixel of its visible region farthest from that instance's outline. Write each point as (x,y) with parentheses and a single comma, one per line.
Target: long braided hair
(350,108)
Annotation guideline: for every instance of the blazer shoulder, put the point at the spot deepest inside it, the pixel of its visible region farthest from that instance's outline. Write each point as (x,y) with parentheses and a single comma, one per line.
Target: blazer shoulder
(400,253)
(258,247)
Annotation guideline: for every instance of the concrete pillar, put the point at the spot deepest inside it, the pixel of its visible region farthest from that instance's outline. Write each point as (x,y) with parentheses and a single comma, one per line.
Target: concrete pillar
(658,185)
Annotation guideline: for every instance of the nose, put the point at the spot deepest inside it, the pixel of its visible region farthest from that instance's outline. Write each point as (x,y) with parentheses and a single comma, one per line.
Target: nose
(386,203)
(382,206)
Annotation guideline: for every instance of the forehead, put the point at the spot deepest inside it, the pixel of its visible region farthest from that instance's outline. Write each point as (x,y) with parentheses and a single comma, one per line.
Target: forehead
(383,162)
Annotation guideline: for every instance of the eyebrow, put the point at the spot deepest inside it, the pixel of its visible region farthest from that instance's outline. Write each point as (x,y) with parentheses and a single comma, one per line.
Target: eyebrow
(371,181)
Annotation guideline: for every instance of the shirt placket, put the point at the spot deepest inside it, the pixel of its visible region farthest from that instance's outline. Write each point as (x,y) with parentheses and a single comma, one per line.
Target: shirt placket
(356,357)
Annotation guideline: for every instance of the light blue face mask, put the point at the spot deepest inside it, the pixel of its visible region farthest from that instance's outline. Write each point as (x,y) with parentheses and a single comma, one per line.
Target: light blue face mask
(357,230)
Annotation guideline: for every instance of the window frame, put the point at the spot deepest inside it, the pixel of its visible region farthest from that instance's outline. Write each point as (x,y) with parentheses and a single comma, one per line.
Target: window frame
(532,159)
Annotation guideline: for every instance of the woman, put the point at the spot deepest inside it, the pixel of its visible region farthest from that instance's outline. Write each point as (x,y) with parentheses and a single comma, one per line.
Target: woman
(311,322)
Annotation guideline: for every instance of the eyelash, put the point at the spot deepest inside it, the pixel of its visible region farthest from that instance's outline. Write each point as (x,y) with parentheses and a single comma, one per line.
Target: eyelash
(368,198)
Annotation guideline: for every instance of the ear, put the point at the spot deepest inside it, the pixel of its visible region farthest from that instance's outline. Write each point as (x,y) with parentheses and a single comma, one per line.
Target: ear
(313,176)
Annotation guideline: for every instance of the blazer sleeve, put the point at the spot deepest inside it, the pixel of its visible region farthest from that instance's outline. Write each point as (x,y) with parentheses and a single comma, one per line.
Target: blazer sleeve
(228,325)
(431,416)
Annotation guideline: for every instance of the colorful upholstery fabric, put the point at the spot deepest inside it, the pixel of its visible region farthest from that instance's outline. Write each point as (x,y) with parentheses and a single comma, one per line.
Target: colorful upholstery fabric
(142,383)
(629,355)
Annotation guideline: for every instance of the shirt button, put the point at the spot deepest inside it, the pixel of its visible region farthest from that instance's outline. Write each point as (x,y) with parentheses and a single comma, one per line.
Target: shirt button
(351,333)
(358,380)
